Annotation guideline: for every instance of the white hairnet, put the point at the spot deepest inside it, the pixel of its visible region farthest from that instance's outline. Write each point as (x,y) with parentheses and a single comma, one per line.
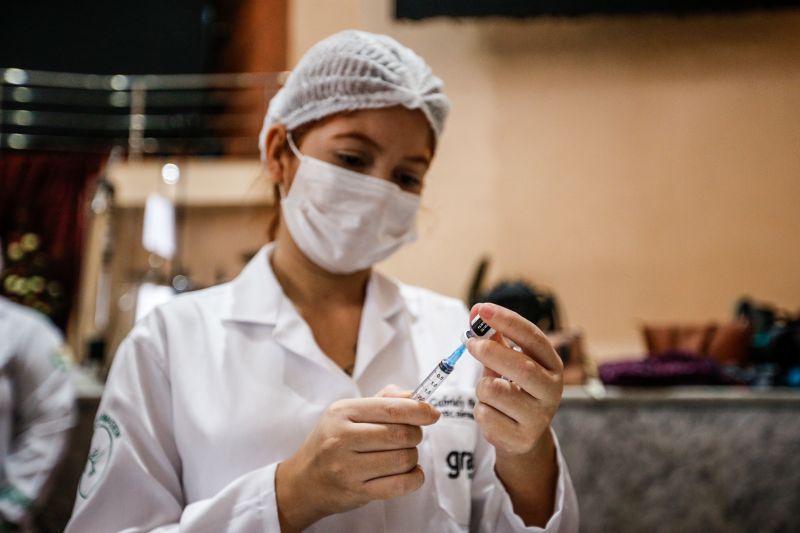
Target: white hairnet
(354,70)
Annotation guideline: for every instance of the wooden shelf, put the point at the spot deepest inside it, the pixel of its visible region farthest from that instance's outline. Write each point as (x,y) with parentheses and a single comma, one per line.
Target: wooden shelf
(207,182)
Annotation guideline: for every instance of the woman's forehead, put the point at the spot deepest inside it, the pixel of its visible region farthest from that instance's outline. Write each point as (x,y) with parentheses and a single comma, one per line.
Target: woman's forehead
(391,126)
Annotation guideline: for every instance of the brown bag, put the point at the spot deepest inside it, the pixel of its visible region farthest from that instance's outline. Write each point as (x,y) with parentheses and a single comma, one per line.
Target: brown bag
(727,344)
(693,339)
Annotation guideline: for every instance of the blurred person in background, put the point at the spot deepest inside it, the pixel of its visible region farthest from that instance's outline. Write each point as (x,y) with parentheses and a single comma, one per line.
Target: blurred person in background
(264,404)
(37,409)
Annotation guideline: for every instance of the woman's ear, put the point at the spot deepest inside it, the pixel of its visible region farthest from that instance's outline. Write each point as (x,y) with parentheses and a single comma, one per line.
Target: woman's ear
(278,156)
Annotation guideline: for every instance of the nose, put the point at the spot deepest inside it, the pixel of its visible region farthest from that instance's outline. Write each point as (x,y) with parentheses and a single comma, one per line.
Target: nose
(382,169)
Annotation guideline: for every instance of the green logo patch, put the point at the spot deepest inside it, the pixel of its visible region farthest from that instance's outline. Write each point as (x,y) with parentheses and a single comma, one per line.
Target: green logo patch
(106,431)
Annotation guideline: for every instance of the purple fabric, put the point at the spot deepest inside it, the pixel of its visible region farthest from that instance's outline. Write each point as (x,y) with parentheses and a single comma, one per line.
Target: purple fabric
(672,368)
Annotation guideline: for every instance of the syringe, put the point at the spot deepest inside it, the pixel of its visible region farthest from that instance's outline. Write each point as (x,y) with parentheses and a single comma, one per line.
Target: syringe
(477,328)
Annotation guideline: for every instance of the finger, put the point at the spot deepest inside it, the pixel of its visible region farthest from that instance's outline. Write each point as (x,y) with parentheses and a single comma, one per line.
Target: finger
(372,465)
(389,411)
(384,488)
(489,373)
(496,336)
(523,333)
(366,437)
(506,397)
(393,391)
(518,367)
(498,429)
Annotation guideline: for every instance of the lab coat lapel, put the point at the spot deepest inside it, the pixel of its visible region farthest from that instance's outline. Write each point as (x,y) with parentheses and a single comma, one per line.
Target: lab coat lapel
(293,333)
(377,329)
(255,295)
(257,298)
(418,339)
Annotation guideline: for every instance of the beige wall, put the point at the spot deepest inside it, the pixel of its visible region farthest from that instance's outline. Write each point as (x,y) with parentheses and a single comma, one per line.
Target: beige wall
(643,168)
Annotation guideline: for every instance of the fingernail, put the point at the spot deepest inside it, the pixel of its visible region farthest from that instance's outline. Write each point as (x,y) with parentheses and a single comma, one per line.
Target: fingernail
(487,311)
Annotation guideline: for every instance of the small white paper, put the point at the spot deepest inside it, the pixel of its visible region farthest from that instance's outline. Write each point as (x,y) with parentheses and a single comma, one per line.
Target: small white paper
(150,295)
(158,233)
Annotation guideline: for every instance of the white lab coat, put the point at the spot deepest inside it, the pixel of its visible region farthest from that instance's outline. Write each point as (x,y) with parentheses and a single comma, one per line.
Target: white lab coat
(211,391)
(37,407)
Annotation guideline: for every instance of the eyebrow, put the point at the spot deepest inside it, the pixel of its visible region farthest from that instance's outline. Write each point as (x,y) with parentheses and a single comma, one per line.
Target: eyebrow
(360,137)
(366,139)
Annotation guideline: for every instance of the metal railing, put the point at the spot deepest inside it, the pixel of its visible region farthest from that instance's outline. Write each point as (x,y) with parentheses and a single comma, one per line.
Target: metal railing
(178,114)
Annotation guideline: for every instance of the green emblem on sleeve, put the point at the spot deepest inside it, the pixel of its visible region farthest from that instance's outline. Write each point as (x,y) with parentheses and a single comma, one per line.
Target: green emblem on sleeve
(57,360)
(106,431)
(15,496)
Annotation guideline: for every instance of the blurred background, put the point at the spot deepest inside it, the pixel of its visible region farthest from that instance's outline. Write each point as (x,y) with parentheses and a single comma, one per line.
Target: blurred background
(626,174)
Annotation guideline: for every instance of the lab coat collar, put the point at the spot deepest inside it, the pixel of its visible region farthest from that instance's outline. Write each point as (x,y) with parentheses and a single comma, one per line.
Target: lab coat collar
(257,297)
(255,294)
(377,329)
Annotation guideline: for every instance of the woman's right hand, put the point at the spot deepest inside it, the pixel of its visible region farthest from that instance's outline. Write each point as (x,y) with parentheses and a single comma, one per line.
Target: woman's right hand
(361,450)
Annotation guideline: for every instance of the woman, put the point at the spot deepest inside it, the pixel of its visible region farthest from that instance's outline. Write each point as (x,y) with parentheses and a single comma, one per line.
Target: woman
(263,405)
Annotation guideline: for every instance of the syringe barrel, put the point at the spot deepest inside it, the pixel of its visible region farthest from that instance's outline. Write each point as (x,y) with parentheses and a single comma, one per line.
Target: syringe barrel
(477,328)
(432,382)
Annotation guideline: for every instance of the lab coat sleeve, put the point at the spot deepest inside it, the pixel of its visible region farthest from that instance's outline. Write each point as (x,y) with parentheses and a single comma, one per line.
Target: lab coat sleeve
(132,481)
(44,411)
(493,510)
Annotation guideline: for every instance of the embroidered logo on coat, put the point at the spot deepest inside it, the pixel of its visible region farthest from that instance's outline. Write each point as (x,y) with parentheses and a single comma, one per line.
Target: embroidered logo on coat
(105,431)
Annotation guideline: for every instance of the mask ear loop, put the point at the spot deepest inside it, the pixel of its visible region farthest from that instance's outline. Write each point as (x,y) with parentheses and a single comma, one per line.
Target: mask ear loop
(297,154)
(293,147)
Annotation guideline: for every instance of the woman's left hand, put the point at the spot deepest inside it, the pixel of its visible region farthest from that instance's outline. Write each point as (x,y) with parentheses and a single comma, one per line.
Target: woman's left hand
(514,411)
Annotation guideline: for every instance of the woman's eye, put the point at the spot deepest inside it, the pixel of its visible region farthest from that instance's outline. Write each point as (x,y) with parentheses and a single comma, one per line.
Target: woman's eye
(409,182)
(351,160)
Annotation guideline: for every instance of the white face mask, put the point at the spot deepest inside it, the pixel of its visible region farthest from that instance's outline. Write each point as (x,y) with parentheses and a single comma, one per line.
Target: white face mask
(345,221)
